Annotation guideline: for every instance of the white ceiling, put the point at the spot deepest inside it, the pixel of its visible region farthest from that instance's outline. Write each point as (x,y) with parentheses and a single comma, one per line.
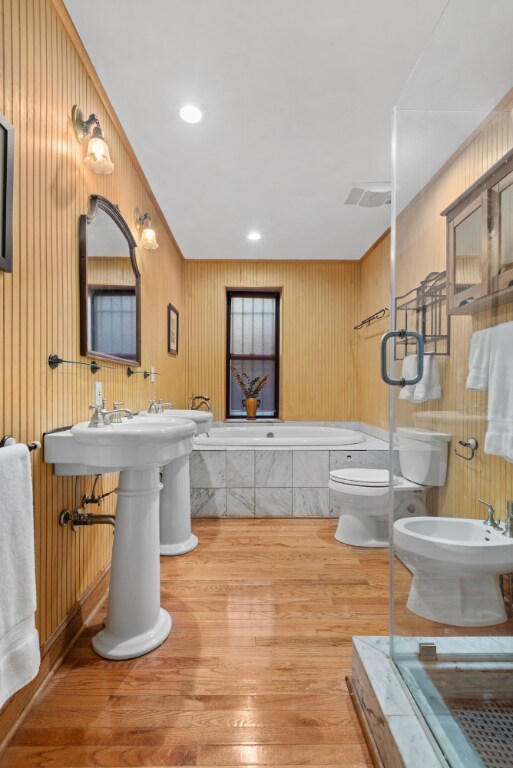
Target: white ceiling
(299,95)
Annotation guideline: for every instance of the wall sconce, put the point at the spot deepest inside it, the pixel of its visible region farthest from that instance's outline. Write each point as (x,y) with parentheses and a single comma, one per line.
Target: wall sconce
(97,156)
(143,224)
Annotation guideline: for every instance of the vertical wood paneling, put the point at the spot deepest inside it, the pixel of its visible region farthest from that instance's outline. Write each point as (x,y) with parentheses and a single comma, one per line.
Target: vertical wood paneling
(421,249)
(43,75)
(318,346)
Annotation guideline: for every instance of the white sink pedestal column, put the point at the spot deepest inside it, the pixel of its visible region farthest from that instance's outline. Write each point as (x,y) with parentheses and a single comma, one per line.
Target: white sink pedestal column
(135,624)
(176,537)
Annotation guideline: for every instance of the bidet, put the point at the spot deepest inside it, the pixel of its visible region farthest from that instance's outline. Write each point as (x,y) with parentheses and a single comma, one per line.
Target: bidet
(455,563)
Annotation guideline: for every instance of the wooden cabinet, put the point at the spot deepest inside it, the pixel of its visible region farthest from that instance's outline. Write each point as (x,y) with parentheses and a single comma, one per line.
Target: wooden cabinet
(480,242)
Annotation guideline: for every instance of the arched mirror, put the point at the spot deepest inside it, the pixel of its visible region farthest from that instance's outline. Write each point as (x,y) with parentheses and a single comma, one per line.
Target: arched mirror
(110,290)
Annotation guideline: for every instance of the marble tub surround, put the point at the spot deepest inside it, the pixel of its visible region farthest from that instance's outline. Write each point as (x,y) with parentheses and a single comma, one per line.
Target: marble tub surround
(400,737)
(246,482)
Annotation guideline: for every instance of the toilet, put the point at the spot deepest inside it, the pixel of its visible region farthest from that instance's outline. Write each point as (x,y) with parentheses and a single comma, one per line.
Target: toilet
(364,493)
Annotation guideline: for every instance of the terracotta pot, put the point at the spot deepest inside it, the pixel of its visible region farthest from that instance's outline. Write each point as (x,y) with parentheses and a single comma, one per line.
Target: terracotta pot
(251,404)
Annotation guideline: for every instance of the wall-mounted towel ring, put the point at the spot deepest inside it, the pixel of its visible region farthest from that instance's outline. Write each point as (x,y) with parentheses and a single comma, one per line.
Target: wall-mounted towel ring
(471,444)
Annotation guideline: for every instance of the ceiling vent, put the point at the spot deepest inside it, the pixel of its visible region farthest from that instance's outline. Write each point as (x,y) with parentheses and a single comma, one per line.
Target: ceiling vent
(369,194)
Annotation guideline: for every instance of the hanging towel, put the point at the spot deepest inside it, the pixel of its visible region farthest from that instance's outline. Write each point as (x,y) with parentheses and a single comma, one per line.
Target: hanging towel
(409,371)
(428,387)
(479,359)
(499,437)
(19,641)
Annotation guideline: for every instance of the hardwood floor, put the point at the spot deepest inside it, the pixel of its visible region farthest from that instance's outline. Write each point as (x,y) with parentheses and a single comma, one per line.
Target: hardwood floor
(253,671)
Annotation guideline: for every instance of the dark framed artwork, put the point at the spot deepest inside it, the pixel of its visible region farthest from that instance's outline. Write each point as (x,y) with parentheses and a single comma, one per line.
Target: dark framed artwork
(6,192)
(172,330)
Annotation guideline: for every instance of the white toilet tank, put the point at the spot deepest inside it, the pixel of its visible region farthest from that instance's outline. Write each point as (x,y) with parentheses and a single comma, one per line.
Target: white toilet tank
(423,455)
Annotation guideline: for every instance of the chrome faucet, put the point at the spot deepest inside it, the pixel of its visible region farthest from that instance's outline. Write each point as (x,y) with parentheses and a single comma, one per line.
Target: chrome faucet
(489,520)
(165,406)
(114,417)
(102,418)
(116,414)
(204,400)
(508,530)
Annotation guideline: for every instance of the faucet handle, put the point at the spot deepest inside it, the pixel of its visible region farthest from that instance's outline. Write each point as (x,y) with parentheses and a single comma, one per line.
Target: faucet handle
(97,419)
(489,520)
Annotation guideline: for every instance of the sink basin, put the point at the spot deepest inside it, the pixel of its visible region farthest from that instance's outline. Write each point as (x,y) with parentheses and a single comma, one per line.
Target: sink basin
(133,443)
(202,419)
(176,536)
(135,623)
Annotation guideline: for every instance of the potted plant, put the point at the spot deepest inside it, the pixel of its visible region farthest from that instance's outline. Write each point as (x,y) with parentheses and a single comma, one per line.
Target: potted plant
(251,389)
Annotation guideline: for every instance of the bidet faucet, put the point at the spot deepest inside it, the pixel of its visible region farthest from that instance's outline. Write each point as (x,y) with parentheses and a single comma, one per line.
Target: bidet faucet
(489,520)
(508,530)
(163,406)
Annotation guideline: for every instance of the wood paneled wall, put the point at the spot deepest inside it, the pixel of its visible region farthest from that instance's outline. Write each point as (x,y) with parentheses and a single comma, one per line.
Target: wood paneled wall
(43,75)
(421,246)
(319,308)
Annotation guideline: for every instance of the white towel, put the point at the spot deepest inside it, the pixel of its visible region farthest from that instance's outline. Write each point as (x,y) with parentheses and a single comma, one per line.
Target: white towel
(499,379)
(479,359)
(428,387)
(409,371)
(19,642)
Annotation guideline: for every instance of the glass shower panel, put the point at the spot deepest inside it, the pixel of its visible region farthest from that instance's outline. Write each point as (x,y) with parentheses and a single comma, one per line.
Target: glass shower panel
(451,622)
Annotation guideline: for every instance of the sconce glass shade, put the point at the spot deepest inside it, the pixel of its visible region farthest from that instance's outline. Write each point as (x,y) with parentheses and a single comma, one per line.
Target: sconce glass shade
(97,158)
(148,239)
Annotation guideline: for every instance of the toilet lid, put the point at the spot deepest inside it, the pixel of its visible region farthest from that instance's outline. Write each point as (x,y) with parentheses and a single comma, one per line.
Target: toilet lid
(372,478)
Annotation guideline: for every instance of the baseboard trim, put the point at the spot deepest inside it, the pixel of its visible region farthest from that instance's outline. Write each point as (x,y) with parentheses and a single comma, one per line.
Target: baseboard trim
(52,655)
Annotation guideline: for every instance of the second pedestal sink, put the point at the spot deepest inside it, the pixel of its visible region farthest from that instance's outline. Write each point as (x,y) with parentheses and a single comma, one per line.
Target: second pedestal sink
(176,536)
(136,623)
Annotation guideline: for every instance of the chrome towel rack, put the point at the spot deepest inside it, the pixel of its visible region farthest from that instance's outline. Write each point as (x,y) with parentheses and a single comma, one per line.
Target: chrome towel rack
(8,440)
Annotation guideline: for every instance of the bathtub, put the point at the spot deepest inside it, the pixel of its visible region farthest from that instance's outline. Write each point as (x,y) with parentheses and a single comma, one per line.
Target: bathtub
(269,435)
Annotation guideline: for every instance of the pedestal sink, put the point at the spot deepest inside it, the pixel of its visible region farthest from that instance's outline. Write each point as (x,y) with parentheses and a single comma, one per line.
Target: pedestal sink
(135,624)
(176,536)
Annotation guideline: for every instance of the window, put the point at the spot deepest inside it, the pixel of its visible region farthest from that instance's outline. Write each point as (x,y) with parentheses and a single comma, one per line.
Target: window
(253,335)
(113,321)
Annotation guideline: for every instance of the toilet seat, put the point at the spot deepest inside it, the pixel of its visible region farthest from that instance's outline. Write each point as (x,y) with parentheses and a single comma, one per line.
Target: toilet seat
(369,478)
(373,478)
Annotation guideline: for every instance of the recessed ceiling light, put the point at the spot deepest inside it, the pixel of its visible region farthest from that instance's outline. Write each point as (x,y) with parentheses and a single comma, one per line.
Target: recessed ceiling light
(254,236)
(191,113)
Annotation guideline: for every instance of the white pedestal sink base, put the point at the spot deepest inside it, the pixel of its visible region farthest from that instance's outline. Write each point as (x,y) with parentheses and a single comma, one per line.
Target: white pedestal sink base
(176,537)
(111,647)
(135,624)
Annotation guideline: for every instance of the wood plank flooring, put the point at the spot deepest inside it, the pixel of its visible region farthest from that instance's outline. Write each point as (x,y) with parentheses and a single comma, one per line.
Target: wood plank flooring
(253,671)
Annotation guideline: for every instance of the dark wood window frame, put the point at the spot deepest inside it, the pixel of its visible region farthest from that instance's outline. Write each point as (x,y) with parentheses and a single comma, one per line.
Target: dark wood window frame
(254,294)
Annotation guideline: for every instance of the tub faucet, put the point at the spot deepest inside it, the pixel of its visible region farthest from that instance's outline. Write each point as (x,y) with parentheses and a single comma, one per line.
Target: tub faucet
(508,530)
(204,400)
(489,520)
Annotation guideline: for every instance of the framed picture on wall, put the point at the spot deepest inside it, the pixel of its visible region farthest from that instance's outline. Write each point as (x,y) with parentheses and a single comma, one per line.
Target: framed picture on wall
(172,330)
(6,192)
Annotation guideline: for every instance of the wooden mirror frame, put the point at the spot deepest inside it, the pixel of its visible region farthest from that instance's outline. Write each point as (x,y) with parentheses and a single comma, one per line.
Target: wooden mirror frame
(6,195)
(97,202)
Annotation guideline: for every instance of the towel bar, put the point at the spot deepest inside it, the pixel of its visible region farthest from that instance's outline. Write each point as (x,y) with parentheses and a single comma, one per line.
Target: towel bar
(8,440)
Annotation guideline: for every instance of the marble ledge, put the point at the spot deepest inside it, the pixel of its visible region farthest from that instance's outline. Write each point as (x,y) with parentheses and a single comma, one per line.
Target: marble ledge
(401,739)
